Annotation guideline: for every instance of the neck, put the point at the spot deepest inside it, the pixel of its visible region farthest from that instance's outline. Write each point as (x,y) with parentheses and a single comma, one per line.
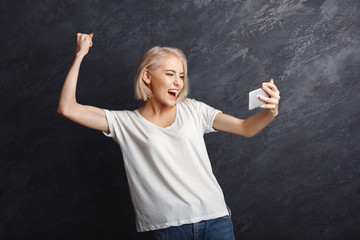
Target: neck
(155,108)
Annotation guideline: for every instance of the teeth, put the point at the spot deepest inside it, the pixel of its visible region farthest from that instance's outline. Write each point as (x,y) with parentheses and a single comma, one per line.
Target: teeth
(172,91)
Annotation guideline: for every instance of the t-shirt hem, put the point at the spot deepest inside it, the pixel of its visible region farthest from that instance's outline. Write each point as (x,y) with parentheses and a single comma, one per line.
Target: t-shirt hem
(151,227)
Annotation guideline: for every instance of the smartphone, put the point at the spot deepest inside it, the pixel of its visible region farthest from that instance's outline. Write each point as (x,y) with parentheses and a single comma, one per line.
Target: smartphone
(254,101)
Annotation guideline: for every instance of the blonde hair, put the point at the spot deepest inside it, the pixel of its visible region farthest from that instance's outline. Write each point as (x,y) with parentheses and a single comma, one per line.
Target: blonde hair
(151,61)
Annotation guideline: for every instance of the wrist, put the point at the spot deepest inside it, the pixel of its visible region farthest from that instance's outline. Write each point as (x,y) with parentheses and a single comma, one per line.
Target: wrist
(79,56)
(271,114)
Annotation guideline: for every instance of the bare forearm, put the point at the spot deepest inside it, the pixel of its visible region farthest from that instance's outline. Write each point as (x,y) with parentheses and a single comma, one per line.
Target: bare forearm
(88,116)
(68,92)
(256,123)
(252,125)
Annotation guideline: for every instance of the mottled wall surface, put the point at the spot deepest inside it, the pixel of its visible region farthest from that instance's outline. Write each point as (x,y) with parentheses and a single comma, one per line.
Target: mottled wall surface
(296,179)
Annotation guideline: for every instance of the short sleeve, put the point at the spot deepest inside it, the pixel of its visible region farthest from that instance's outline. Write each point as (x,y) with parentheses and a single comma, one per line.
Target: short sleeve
(111,121)
(207,116)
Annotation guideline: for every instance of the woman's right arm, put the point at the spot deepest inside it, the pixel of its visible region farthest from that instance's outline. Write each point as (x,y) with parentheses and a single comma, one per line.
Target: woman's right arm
(88,116)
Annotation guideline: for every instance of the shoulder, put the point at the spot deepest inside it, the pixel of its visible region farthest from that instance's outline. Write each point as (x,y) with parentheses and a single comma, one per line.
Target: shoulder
(195,104)
(120,114)
(190,102)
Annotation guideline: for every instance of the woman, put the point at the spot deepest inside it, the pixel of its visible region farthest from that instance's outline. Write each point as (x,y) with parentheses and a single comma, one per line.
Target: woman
(173,190)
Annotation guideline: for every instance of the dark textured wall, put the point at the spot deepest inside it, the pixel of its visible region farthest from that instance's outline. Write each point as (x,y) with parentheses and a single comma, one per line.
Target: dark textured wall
(297,179)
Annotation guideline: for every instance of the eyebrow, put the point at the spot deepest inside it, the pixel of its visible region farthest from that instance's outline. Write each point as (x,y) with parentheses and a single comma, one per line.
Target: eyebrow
(173,71)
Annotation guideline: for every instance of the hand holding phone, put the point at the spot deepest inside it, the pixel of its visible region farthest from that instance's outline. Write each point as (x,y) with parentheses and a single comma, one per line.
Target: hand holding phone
(254,100)
(269,95)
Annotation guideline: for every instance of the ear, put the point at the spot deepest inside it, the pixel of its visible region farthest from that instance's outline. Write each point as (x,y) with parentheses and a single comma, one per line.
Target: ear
(146,76)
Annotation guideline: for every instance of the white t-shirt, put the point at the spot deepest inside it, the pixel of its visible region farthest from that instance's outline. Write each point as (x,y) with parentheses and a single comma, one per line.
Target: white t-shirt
(168,169)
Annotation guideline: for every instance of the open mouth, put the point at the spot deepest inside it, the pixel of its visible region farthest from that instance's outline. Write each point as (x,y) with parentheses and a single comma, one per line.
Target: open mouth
(173,93)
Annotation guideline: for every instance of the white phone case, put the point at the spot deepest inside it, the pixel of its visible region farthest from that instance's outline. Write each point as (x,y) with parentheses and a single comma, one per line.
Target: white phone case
(254,102)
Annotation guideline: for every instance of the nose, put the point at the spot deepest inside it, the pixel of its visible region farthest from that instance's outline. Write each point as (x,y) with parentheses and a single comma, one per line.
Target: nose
(176,81)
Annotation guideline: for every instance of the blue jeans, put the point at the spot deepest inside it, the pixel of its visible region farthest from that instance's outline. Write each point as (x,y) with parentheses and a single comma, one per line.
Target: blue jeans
(214,229)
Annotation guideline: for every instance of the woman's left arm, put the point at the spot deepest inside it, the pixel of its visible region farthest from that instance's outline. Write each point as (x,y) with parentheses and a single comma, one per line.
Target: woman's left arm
(252,125)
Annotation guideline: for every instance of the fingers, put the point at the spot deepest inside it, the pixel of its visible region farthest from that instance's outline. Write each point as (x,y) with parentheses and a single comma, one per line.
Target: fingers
(84,36)
(272,102)
(91,36)
(268,106)
(271,89)
(269,100)
(81,37)
(271,85)
(83,43)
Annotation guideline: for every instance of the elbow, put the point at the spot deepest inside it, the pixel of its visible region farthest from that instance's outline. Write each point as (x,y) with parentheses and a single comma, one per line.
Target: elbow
(62,111)
(66,106)
(248,134)
(66,110)
(244,134)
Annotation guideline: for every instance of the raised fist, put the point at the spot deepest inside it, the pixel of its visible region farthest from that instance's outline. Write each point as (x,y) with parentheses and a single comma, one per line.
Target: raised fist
(83,43)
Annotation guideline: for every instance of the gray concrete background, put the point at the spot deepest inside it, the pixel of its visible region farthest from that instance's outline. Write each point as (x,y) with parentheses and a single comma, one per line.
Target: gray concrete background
(297,179)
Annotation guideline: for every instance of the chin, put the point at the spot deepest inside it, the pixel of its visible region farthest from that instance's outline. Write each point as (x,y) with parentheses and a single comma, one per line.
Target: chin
(171,103)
